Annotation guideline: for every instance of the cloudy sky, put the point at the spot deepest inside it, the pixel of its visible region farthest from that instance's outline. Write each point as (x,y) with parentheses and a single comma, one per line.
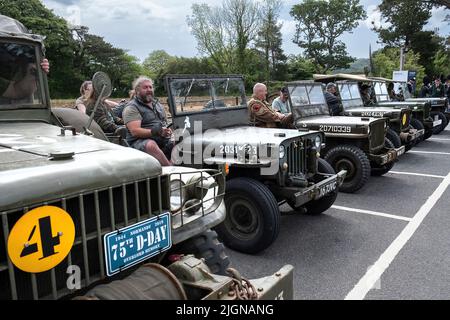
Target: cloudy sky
(147,25)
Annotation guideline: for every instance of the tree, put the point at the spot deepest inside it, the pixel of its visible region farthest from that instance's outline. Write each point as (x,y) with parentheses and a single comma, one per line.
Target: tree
(300,68)
(156,63)
(269,40)
(58,42)
(387,60)
(319,25)
(427,44)
(404,19)
(224,33)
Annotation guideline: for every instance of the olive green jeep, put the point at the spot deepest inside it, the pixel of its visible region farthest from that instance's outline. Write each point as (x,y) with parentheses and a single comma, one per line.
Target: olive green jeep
(357,145)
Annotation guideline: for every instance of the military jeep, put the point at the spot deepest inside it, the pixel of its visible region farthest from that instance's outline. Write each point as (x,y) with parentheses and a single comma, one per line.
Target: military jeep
(266,166)
(422,116)
(87,219)
(399,132)
(357,145)
(439,106)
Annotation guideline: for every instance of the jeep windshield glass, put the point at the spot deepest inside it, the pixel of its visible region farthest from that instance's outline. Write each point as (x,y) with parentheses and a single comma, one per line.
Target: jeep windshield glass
(381,91)
(350,95)
(19,78)
(204,95)
(308,99)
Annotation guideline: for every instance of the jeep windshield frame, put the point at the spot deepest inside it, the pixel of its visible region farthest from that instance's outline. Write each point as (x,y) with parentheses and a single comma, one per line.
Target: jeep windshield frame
(215,101)
(192,94)
(307,99)
(20,63)
(349,94)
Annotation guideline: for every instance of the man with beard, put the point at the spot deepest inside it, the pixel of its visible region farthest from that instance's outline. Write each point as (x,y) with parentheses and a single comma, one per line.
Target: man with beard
(146,122)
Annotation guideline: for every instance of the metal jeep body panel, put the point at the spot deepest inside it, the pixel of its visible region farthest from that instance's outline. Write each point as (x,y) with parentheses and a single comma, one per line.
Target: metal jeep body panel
(311,111)
(27,168)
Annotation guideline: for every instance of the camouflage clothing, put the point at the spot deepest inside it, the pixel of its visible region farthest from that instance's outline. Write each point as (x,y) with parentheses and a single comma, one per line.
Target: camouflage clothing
(263,115)
(103,116)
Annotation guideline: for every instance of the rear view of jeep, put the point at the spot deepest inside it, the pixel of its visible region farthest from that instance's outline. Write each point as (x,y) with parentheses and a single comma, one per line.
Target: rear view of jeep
(357,145)
(87,219)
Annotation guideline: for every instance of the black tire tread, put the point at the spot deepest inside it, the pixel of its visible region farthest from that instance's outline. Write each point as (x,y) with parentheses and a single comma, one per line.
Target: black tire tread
(265,200)
(361,158)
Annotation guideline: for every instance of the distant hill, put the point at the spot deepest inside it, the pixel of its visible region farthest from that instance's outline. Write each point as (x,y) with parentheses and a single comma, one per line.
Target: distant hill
(355,67)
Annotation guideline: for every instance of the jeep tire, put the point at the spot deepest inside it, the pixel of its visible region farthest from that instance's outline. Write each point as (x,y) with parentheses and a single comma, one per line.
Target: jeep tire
(354,161)
(416,124)
(208,247)
(438,129)
(323,204)
(378,171)
(253,217)
(394,138)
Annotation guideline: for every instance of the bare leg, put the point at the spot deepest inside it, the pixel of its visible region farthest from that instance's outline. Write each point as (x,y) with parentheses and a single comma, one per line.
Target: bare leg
(152,149)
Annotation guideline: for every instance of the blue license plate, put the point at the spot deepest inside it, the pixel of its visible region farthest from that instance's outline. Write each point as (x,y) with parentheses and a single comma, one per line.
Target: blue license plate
(128,246)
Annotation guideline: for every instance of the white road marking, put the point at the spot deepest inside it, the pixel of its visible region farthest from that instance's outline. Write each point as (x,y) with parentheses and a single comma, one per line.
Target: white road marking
(375,272)
(417,174)
(7,150)
(438,139)
(430,152)
(373,213)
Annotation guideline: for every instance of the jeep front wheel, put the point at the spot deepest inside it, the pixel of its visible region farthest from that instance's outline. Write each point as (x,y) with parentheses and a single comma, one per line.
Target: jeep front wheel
(394,137)
(436,115)
(253,217)
(381,170)
(354,161)
(206,246)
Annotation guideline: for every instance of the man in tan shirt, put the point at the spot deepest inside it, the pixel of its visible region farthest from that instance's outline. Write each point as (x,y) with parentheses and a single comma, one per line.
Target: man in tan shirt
(261,112)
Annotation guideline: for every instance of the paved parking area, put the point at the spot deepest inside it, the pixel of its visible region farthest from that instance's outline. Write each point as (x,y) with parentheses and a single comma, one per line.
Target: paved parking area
(391,240)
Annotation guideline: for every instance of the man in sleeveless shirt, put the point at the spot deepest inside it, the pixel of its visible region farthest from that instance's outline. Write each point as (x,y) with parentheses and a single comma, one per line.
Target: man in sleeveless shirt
(146,122)
(261,112)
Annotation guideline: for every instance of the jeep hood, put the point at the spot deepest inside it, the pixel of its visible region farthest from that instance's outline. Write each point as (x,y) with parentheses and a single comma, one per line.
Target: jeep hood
(30,171)
(391,112)
(336,121)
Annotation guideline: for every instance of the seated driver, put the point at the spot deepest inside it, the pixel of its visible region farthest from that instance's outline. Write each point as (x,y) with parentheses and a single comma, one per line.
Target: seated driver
(146,122)
(261,112)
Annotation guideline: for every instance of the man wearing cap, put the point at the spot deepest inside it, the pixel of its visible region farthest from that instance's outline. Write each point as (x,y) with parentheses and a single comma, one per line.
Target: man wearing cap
(262,114)
(280,104)
(333,101)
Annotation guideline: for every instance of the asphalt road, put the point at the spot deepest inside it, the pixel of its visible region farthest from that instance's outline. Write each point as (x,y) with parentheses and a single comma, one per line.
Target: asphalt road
(390,240)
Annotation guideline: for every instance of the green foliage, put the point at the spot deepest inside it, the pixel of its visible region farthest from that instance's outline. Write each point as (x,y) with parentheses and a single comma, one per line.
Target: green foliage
(319,25)
(387,60)
(269,41)
(405,18)
(225,32)
(300,68)
(156,63)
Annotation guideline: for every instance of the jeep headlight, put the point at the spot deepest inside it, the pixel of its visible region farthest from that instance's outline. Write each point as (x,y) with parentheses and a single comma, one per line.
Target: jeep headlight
(177,195)
(318,142)
(282,151)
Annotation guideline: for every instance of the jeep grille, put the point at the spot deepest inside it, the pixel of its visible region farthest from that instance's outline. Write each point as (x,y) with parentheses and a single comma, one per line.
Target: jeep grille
(296,158)
(94,213)
(377,135)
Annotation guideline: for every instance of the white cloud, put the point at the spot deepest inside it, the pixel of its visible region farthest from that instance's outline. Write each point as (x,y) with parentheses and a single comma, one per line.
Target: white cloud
(373,17)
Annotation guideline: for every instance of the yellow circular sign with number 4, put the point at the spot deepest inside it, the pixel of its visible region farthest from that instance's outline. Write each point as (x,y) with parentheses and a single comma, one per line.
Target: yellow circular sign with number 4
(405,118)
(41,239)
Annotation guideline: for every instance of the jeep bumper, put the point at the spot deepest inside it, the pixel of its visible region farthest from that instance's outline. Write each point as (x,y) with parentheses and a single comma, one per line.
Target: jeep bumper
(198,224)
(387,155)
(411,136)
(319,189)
